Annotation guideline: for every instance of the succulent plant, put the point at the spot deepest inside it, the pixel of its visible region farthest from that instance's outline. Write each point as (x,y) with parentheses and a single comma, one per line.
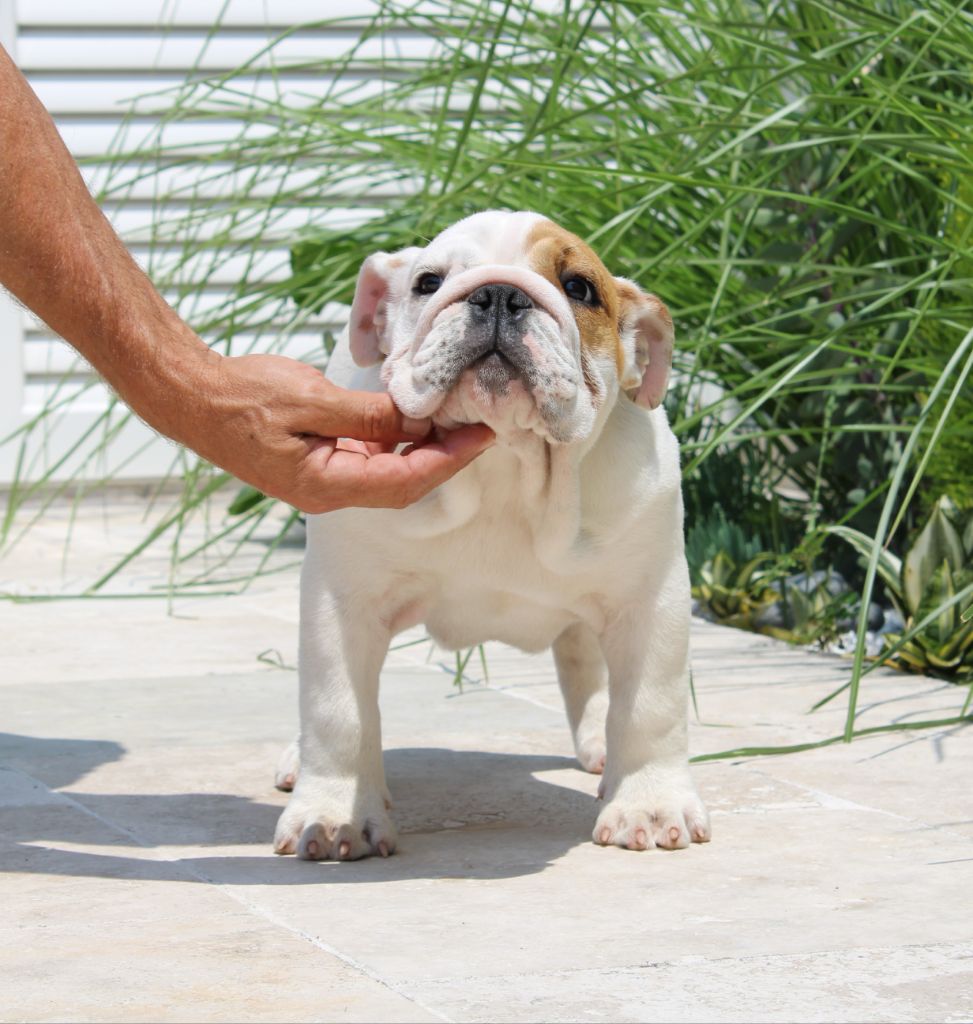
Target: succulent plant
(937,567)
(812,606)
(735,593)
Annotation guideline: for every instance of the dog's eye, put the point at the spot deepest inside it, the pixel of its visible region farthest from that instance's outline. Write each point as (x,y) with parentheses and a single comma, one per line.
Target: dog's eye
(581,290)
(427,284)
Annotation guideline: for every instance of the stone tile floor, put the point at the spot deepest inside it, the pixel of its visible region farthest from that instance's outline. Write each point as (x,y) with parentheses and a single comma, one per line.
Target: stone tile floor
(137,881)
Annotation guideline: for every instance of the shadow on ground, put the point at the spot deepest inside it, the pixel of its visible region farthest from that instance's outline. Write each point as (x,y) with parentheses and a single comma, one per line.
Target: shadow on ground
(461,814)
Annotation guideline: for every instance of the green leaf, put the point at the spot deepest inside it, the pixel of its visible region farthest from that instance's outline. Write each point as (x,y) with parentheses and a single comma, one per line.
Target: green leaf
(968,536)
(938,541)
(938,592)
(889,566)
(246,498)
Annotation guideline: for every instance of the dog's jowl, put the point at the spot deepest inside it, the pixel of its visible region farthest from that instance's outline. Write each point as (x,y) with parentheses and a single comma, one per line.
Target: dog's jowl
(567,533)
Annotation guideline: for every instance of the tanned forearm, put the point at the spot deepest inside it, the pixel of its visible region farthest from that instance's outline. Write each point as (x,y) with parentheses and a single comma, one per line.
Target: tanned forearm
(61,258)
(271,421)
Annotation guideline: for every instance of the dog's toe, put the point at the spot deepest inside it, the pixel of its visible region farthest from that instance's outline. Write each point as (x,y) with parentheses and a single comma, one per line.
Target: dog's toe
(326,833)
(671,821)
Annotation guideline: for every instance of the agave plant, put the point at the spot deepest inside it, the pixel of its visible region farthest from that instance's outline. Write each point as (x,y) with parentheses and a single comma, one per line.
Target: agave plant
(735,593)
(932,586)
(813,606)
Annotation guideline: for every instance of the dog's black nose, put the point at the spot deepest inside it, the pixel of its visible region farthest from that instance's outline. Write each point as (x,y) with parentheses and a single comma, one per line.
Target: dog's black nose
(497,300)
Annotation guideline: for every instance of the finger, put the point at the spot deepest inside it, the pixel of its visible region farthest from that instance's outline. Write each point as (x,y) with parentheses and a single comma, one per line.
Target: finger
(366,447)
(365,416)
(345,478)
(348,445)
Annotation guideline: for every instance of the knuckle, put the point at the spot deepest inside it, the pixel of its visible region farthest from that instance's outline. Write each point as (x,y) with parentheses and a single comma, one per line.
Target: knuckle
(374,419)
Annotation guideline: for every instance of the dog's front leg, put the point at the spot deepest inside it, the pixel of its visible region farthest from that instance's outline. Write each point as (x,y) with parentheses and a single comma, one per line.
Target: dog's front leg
(338,809)
(650,799)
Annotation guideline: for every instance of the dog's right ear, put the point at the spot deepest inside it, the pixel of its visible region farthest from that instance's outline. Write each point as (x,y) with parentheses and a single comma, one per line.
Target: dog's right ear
(645,329)
(381,280)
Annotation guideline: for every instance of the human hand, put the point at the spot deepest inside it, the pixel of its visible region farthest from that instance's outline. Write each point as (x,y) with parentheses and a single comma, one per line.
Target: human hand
(275,423)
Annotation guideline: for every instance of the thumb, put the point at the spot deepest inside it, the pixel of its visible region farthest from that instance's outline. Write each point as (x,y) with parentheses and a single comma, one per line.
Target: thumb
(366,416)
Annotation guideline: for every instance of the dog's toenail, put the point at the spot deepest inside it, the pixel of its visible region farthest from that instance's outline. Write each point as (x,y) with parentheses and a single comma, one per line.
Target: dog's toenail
(674,834)
(383,848)
(312,848)
(605,837)
(344,848)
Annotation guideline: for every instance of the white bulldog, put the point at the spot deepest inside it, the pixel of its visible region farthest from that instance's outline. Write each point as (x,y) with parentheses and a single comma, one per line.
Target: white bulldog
(566,534)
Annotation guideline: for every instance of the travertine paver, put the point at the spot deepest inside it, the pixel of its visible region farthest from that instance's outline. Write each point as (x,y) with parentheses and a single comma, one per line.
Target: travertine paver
(136,811)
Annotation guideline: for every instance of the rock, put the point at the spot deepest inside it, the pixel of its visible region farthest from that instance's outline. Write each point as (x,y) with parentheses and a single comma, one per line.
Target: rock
(845,644)
(876,616)
(774,616)
(809,582)
(893,622)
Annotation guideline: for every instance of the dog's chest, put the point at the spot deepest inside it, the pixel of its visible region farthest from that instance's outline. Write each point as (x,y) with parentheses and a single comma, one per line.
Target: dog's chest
(485,582)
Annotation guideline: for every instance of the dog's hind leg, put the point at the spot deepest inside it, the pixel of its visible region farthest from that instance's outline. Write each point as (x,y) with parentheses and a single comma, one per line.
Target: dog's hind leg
(583,676)
(288,766)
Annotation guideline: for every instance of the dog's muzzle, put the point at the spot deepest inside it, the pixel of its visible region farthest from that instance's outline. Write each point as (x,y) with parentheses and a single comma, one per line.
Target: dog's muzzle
(498,316)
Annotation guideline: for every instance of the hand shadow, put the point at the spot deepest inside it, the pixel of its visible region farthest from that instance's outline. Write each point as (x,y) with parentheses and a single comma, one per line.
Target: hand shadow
(460,814)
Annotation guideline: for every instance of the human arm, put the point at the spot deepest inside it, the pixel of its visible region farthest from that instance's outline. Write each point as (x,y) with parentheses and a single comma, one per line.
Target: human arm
(271,421)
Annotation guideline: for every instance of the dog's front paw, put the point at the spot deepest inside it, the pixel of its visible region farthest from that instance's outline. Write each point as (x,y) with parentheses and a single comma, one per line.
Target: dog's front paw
(323,829)
(670,817)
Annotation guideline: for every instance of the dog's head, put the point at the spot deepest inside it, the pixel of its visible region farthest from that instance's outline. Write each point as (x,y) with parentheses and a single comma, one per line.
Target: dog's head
(508,319)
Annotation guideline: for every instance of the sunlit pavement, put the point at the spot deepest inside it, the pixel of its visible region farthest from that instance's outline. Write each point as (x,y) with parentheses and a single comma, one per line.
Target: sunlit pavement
(136,767)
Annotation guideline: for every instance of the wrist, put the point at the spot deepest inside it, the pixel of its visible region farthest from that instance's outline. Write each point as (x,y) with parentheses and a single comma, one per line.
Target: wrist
(169,390)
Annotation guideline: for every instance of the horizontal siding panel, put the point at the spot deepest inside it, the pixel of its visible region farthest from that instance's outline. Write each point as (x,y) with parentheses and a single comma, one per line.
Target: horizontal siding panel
(237,14)
(92,137)
(135,453)
(140,225)
(194,13)
(48,358)
(67,51)
(116,95)
(127,183)
(203,306)
(95,137)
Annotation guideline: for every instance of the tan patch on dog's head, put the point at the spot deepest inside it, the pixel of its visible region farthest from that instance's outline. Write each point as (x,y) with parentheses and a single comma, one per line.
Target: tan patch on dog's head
(558,255)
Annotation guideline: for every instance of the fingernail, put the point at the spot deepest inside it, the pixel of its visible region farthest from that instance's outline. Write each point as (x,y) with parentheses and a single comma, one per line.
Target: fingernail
(418,428)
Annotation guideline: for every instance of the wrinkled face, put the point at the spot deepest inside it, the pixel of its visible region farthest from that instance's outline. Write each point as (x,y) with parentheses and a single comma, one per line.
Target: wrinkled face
(508,319)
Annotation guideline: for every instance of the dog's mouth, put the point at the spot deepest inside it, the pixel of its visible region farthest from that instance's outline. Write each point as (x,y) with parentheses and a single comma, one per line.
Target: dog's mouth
(496,368)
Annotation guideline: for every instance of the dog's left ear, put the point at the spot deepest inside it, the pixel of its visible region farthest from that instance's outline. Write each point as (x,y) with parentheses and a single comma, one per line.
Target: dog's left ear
(645,328)
(381,279)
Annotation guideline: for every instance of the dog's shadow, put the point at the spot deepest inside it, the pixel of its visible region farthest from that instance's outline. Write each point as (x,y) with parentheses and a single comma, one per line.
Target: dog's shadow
(460,814)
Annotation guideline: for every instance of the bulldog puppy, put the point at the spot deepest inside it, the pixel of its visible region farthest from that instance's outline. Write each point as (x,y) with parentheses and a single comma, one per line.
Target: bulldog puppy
(566,534)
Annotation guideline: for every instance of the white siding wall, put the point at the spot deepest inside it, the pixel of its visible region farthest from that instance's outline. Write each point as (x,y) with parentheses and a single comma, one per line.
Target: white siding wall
(87,59)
